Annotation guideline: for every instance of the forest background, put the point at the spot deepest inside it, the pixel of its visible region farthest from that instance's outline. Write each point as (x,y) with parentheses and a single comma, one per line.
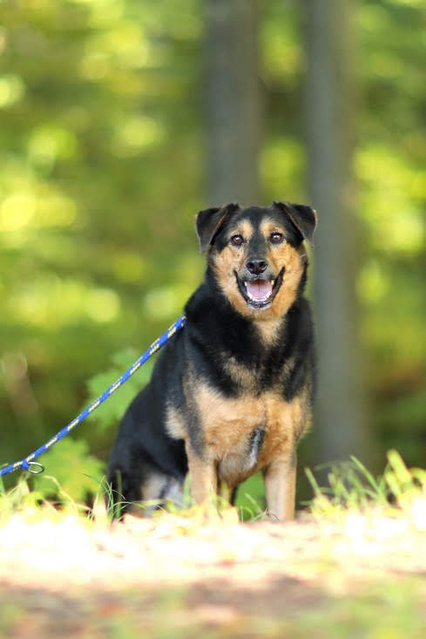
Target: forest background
(120,119)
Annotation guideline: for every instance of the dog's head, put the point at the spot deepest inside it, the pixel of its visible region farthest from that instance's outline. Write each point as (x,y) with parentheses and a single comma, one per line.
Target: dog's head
(257,255)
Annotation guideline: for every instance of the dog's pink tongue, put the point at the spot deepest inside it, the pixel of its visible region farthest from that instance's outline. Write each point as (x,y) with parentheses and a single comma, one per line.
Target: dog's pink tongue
(259,289)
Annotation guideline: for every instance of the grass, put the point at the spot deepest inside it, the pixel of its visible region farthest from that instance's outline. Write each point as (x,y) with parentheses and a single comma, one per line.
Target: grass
(352,488)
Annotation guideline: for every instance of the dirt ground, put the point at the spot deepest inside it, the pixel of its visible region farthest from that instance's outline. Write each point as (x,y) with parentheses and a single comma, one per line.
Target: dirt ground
(176,577)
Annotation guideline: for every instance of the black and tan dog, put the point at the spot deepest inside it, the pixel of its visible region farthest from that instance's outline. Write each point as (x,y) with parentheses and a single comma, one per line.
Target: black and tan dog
(230,394)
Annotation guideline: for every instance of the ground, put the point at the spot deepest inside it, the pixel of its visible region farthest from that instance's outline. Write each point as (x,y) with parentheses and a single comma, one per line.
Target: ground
(174,576)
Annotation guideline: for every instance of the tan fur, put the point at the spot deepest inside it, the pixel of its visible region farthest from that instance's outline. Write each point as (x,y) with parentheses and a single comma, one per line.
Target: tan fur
(280,255)
(231,436)
(175,423)
(229,423)
(268,329)
(153,486)
(280,488)
(232,259)
(244,228)
(203,476)
(293,262)
(240,374)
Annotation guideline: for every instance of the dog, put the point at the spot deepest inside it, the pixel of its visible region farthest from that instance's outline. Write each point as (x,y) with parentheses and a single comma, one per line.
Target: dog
(231,394)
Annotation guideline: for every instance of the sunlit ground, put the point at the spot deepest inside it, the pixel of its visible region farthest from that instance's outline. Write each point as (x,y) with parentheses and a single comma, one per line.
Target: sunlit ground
(218,574)
(349,567)
(65,549)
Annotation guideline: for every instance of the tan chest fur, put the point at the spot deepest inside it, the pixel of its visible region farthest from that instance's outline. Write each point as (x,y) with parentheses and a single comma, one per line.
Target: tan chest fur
(228,425)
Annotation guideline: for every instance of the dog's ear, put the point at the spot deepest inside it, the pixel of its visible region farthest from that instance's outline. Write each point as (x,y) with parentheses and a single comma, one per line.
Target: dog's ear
(209,221)
(303,217)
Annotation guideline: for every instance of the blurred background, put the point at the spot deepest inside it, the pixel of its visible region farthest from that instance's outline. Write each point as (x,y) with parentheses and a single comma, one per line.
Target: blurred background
(120,119)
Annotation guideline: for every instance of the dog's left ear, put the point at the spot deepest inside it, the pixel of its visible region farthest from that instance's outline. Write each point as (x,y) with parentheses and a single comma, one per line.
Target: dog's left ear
(303,217)
(209,221)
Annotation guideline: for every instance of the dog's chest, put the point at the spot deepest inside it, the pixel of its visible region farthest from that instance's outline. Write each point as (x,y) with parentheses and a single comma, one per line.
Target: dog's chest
(246,433)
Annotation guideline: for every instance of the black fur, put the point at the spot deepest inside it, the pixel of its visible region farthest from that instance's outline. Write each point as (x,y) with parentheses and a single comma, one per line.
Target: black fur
(214,332)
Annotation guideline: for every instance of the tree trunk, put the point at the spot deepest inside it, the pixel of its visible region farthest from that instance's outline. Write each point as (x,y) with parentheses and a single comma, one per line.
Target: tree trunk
(233,101)
(339,418)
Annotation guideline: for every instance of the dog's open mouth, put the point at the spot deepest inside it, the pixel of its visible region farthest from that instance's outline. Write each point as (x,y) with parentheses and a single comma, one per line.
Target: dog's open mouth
(259,293)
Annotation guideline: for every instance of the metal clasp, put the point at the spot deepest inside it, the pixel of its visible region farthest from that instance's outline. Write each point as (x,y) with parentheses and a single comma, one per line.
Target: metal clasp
(35,468)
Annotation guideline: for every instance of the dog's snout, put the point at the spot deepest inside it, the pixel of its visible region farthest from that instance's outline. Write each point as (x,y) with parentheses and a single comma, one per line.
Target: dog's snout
(256,266)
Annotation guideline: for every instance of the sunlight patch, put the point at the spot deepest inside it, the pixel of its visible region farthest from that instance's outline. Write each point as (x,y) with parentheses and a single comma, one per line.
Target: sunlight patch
(103,305)
(12,90)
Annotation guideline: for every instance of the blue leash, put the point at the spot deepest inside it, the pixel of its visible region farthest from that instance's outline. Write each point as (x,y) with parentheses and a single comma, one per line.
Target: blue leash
(35,467)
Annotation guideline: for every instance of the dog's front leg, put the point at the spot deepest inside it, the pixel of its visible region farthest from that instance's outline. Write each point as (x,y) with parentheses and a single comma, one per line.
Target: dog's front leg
(202,475)
(280,487)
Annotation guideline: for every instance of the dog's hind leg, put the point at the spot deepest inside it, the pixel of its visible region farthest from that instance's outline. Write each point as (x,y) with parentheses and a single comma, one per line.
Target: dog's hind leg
(158,488)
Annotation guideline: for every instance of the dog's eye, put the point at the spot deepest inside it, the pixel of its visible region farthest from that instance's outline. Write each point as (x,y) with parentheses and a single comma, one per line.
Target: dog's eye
(276,238)
(237,240)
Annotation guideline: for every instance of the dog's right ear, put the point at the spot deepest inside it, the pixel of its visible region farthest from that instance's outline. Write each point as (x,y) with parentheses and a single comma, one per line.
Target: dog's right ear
(209,221)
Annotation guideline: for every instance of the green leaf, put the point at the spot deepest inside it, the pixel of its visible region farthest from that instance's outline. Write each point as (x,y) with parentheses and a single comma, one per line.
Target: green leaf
(74,470)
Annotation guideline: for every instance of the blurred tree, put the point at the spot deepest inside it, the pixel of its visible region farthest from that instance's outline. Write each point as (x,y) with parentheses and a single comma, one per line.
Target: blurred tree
(101,150)
(390,163)
(103,137)
(233,101)
(340,424)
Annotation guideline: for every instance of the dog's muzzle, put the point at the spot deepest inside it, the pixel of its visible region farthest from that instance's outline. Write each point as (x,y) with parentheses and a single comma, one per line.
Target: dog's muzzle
(259,289)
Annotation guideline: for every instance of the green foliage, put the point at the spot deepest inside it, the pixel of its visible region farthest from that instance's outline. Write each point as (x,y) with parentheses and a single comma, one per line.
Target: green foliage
(102,143)
(99,144)
(110,413)
(71,472)
(250,500)
(353,487)
(20,498)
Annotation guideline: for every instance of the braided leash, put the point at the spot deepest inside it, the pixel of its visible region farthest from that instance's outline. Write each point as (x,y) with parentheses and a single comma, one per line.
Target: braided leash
(34,467)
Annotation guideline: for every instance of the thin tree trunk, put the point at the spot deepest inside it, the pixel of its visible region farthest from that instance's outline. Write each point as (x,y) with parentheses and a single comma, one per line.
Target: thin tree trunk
(233,107)
(339,420)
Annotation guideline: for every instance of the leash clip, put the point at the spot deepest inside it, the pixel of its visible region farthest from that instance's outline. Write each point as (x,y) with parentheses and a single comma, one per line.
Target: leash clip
(35,468)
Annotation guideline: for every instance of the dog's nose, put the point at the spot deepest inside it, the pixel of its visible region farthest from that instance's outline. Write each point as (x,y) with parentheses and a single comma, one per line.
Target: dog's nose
(256,266)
